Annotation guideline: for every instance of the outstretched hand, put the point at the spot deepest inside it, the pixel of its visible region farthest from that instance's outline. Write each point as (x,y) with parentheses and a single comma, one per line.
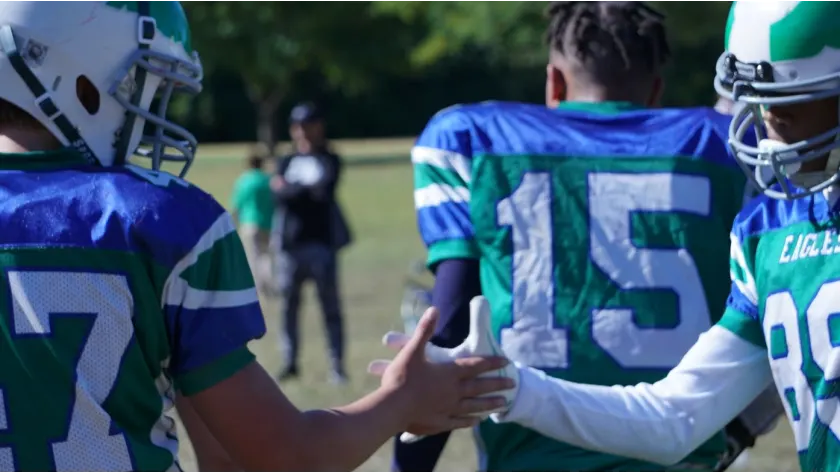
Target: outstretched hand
(479,343)
(444,394)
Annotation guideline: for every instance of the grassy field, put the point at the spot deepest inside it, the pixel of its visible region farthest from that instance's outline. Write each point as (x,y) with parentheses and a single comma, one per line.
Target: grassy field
(377,197)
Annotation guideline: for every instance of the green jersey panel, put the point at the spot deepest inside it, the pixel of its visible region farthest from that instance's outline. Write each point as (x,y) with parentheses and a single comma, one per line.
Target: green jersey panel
(599,270)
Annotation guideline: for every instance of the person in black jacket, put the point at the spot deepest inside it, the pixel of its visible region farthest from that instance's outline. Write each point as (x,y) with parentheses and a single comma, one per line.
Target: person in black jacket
(309,229)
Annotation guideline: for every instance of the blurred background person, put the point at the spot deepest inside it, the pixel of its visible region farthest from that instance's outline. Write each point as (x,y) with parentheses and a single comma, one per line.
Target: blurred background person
(252,207)
(309,231)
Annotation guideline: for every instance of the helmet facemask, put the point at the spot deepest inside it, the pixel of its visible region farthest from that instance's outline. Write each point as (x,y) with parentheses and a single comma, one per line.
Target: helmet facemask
(773,162)
(152,75)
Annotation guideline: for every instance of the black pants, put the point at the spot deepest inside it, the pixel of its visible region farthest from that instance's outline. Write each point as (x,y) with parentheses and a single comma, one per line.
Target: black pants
(296,266)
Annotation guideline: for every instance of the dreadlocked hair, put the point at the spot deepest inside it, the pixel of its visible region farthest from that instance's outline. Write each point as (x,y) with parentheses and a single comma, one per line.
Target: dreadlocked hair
(609,40)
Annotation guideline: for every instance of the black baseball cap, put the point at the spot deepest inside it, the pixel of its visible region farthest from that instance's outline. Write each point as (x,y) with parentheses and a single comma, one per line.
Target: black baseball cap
(304,112)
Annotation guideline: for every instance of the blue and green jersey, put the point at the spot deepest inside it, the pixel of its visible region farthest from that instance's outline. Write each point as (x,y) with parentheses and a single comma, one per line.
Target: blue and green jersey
(602,234)
(118,286)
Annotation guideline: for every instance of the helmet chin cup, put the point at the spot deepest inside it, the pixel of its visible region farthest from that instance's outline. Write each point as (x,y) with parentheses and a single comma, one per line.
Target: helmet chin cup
(771,151)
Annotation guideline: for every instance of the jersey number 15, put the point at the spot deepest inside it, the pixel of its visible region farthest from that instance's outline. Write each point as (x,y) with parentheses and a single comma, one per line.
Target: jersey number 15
(537,336)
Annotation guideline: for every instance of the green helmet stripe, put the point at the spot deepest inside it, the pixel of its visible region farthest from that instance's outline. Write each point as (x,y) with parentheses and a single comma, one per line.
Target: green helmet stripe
(805,31)
(730,20)
(170,19)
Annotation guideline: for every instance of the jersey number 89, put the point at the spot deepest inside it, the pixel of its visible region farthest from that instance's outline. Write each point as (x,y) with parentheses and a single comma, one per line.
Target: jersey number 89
(781,316)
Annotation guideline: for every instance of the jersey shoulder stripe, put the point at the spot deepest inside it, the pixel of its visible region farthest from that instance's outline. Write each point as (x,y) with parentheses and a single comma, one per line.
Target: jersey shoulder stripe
(209,299)
(442,159)
(442,162)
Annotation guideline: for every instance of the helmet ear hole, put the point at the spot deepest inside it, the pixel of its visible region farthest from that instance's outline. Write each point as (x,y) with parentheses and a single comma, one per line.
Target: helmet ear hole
(88,94)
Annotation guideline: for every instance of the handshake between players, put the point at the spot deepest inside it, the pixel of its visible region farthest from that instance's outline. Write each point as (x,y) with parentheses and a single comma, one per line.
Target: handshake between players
(479,343)
(487,381)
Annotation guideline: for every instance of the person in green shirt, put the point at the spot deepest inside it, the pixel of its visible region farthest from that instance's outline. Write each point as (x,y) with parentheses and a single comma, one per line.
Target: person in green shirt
(253,208)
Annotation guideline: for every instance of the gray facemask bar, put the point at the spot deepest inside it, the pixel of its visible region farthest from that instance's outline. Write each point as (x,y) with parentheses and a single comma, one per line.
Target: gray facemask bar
(168,141)
(754,161)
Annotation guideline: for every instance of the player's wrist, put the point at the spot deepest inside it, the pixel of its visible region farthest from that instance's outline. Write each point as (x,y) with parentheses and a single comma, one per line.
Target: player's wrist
(396,404)
(525,404)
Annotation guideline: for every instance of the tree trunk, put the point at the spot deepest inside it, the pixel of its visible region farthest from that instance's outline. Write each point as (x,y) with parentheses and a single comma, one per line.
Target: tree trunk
(266,108)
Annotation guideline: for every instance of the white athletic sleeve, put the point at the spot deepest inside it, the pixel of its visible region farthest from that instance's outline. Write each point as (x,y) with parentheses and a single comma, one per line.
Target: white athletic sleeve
(661,422)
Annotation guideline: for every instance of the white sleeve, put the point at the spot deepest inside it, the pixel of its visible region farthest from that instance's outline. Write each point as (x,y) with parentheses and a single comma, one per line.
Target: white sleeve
(661,422)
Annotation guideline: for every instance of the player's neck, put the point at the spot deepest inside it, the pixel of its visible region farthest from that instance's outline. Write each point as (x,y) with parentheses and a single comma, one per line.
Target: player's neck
(600,97)
(594,93)
(24,140)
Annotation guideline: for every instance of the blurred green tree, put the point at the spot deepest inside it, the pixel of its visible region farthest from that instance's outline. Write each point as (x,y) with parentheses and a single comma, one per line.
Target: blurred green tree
(695,31)
(384,67)
(270,44)
(511,33)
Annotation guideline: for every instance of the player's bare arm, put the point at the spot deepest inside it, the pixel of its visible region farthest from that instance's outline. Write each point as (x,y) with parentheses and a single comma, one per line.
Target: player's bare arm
(262,430)
(240,403)
(209,453)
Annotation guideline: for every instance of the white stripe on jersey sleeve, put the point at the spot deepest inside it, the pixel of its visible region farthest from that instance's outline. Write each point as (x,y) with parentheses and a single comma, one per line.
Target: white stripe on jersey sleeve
(222,227)
(177,291)
(436,194)
(661,422)
(449,160)
(193,299)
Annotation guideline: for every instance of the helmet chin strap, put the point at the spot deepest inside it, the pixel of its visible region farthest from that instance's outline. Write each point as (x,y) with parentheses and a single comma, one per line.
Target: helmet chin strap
(43,99)
(832,165)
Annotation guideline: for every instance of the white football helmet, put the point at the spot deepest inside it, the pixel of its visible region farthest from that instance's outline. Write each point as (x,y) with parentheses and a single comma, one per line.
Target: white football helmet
(777,54)
(131,52)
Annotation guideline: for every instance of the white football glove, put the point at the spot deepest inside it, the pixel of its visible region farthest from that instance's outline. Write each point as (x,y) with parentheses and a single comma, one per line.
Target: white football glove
(480,342)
